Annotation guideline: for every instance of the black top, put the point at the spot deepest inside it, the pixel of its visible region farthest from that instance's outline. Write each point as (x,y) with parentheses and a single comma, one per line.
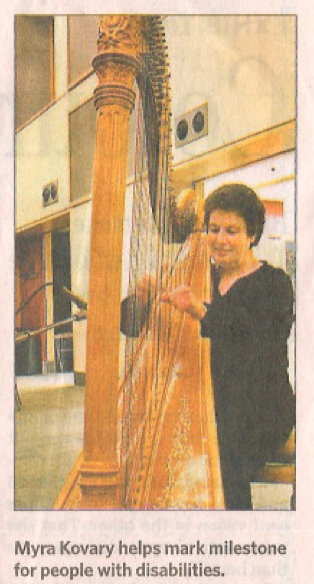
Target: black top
(249,327)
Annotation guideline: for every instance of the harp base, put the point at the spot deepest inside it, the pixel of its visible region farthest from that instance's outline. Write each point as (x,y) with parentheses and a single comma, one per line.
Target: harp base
(99,486)
(91,485)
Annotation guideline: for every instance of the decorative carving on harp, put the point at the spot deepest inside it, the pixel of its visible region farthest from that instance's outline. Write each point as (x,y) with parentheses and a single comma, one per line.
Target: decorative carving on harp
(150,441)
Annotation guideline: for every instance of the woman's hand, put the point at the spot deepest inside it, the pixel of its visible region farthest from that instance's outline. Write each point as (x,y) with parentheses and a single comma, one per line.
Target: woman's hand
(183,299)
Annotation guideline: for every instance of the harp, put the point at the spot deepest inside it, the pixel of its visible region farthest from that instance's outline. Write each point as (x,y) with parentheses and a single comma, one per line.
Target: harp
(149,441)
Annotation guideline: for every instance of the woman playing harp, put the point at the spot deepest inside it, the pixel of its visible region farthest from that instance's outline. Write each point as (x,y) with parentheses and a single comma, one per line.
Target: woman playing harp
(248,321)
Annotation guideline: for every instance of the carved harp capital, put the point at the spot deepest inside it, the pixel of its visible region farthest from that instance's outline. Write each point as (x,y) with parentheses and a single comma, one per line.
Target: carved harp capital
(118,60)
(120,32)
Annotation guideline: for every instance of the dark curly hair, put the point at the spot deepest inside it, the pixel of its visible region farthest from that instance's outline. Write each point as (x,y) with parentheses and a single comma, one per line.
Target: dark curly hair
(242,200)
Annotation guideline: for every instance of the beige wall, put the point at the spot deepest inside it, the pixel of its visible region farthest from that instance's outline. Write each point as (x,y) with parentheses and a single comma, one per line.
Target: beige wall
(243,66)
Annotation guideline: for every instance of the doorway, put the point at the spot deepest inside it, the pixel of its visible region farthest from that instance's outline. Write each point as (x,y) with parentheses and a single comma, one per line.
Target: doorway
(29,304)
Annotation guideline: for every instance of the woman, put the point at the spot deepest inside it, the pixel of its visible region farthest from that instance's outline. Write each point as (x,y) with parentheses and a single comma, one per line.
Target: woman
(248,321)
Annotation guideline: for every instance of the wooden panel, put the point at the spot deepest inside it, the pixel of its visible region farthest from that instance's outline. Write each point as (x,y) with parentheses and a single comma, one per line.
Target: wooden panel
(29,250)
(277,473)
(241,153)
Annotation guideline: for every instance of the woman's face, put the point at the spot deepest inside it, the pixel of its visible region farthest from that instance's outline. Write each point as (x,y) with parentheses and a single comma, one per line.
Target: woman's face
(228,240)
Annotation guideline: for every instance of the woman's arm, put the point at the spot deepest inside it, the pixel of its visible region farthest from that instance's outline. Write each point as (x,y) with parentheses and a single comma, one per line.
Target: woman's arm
(184,300)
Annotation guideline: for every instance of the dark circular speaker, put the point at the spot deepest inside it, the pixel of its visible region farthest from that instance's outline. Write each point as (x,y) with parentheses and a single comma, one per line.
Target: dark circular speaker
(182,130)
(46,194)
(198,122)
(54,191)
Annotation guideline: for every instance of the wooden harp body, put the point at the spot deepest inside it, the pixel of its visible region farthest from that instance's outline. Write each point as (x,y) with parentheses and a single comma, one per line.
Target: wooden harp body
(150,440)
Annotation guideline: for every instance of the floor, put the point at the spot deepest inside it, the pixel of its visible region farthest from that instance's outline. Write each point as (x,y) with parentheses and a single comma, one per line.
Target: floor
(49,437)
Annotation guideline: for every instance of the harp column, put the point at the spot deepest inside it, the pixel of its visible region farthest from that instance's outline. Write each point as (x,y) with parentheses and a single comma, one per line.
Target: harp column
(116,64)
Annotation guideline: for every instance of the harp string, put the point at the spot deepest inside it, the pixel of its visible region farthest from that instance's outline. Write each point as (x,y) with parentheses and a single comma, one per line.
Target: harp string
(151,252)
(138,242)
(140,255)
